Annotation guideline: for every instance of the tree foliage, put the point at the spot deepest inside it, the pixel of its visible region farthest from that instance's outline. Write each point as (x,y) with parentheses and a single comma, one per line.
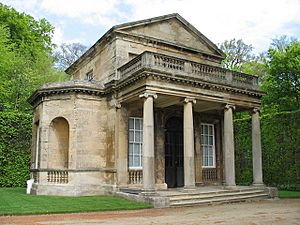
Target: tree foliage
(15,142)
(28,35)
(66,54)
(282,82)
(237,53)
(25,63)
(280,150)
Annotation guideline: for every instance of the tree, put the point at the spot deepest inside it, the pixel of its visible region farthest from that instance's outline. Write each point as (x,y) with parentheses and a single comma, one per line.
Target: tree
(282,82)
(25,63)
(66,54)
(282,42)
(28,35)
(237,54)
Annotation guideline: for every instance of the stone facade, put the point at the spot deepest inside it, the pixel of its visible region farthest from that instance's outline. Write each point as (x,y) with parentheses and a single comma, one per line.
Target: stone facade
(163,72)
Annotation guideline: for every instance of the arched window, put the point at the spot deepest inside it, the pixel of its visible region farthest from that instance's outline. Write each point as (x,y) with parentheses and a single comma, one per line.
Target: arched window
(58,144)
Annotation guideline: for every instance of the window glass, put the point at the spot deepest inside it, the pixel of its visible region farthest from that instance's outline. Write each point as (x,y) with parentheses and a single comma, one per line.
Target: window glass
(208,145)
(135,151)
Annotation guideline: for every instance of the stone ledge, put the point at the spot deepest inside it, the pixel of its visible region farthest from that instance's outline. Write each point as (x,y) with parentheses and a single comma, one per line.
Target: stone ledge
(157,201)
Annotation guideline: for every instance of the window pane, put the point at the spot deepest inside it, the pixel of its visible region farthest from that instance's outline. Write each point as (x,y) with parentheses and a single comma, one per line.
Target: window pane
(205,140)
(210,140)
(210,130)
(130,149)
(141,150)
(136,150)
(131,121)
(130,160)
(138,124)
(136,161)
(210,161)
(138,136)
(131,136)
(205,129)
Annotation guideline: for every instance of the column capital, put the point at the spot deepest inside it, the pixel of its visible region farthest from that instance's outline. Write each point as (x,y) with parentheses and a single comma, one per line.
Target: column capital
(256,110)
(229,106)
(189,99)
(116,103)
(148,94)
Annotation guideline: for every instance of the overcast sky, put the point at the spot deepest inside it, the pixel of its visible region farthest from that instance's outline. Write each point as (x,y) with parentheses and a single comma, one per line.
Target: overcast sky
(257,22)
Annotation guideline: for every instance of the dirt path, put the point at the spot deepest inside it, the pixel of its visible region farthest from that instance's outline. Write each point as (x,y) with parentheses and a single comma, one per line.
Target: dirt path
(251,213)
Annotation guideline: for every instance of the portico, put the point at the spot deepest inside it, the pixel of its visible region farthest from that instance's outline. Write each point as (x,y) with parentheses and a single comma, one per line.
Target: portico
(158,114)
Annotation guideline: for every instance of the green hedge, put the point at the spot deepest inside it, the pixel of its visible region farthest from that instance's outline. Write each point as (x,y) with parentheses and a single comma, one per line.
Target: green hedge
(280,150)
(15,142)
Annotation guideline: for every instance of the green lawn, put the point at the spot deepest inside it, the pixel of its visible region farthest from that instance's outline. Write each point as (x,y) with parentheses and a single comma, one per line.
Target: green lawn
(14,201)
(289,194)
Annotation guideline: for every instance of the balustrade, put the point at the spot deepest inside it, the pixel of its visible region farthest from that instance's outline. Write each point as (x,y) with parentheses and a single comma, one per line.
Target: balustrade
(135,176)
(168,62)
(177,66)
(58,177)
(209,175)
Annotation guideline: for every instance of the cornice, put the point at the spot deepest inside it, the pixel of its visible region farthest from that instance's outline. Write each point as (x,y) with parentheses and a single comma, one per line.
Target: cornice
(83,87)
(194,82)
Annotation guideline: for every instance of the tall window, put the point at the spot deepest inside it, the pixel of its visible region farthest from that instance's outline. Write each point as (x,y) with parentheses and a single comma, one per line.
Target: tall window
(135,150)
(208,145)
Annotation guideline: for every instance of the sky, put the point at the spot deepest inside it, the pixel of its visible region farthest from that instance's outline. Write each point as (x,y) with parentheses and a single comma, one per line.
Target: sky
(256,22)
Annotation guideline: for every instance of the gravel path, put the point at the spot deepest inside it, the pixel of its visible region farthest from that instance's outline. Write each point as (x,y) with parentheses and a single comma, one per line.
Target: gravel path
(249,213)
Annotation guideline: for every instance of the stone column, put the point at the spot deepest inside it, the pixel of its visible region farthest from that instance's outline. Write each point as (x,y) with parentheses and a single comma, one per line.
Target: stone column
(148,142)
(256,148)
(188,141)
(229,146)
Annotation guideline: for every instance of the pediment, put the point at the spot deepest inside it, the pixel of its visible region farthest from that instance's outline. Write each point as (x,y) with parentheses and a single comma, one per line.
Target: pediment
(172,29)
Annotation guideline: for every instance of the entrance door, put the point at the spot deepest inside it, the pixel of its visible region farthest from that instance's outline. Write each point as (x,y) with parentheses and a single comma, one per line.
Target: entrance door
(174,153)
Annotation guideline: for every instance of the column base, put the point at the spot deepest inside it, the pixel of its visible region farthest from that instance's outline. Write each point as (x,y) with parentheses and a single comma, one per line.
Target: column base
(230,186)
(189,188)
(149,192)
(258,185)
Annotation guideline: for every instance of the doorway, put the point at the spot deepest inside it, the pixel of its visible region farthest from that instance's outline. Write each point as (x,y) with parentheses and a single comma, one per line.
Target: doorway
(174,175)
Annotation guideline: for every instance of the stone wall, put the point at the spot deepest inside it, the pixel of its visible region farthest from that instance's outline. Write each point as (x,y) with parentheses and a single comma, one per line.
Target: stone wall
(84,164)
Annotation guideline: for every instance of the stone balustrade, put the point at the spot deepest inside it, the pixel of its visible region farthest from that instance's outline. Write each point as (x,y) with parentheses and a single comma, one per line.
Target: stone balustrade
(209,175)
(58,176)
(135,176)
(185,68)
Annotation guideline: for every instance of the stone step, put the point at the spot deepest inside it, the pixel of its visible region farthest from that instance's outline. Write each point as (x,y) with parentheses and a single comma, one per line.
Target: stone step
(219,200)
(134,191)
(213,195)
(190,193)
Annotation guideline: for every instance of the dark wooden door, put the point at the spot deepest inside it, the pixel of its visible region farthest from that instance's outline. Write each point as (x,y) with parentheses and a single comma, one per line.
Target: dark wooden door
(174,152)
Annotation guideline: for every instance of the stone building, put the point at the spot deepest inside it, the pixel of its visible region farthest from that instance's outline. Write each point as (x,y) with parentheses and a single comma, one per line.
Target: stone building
(148,107)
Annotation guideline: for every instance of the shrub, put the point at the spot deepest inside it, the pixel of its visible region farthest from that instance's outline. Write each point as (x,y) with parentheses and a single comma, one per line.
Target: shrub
(15,142)
(280,150)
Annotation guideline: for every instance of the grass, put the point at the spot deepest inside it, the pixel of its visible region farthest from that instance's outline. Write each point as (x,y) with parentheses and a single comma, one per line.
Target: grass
(289,194)
(15,201)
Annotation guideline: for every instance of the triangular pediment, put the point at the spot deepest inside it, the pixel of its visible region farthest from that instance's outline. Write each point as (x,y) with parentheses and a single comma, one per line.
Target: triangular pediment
(172,29)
